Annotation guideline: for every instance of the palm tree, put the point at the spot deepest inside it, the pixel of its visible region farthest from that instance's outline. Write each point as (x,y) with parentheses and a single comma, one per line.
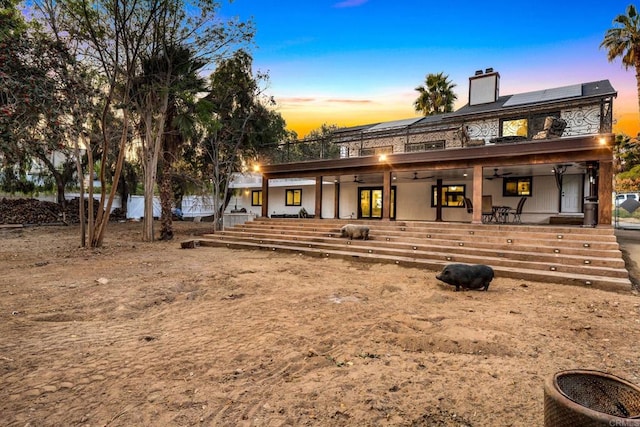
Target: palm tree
(624,41)
(436,96)
(179,125)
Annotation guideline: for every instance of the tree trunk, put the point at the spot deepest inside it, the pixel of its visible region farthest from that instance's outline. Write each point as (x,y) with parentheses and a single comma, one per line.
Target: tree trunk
(81,210)
(96,231)
(60,187)
(154,130)
(166,196)
(124,195)
(149,184)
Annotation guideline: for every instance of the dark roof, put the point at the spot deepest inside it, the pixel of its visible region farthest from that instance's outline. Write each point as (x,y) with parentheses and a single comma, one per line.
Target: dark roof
(599,89)
(558,95)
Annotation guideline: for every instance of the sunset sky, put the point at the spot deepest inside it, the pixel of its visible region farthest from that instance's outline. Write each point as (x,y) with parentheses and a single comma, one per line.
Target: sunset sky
(353,62)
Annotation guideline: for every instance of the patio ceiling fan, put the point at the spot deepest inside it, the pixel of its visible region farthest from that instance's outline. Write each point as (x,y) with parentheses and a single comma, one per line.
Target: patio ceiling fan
(355,179)
(498,175)
(416,177)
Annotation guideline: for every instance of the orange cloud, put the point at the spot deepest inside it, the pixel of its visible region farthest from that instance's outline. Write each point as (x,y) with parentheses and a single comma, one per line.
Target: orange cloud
(295,100)
(350,101)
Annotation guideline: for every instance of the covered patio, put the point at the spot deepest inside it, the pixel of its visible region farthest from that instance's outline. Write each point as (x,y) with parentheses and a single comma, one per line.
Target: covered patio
(486,170)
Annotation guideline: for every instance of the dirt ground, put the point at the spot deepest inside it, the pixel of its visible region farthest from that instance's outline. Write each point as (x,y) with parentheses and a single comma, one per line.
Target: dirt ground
(148,334)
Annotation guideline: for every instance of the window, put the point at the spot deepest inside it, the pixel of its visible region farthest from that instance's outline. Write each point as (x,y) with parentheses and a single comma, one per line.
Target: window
(516,187)
(525,126)
(515,127)
(256,198)
(374,151)
(415,147)
(293,197)
(452,195)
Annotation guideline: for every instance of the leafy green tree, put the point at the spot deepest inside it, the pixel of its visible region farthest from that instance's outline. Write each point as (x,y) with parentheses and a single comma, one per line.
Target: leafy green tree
(627,162)
(42,88)
(436,96)
(179,127)
(240,127)
(623,41)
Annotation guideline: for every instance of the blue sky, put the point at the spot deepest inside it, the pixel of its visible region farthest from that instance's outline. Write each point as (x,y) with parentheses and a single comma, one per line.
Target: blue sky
(350,62)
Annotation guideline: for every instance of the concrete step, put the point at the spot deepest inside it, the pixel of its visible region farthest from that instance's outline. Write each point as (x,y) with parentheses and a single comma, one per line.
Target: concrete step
(452,237)
(443,249)
(585,278)
(565,254)
(440,229)
(610,266)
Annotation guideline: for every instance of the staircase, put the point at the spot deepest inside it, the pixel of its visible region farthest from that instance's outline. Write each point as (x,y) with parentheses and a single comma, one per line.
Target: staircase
(546,253)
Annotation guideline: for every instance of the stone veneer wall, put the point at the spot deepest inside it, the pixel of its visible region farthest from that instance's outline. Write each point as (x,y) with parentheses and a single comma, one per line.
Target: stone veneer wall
(397,142)
(580,121)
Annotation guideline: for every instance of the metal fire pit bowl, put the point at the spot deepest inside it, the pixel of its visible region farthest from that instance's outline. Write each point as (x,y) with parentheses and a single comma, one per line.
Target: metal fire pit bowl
(585,398)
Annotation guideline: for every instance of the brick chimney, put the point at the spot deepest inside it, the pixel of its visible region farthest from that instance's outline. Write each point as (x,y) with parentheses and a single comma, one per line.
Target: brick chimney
(484,87)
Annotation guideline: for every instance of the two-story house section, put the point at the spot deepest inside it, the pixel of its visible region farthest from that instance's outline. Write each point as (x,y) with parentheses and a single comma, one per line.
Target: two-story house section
(546,153)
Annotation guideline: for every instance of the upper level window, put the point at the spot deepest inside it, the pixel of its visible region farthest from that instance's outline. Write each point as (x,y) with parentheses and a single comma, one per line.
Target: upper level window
(520,186)
(373,151)
(526,126)
(415,147)
(515,127)
(293,197)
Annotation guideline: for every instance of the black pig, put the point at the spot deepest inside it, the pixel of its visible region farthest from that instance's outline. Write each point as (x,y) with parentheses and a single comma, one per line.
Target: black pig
(467,276)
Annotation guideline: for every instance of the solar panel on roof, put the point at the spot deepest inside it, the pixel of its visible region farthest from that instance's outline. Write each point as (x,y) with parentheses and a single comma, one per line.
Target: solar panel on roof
(393,125)
(545,95)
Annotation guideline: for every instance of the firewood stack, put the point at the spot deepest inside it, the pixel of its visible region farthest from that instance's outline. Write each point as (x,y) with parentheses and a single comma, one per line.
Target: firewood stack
(37,212)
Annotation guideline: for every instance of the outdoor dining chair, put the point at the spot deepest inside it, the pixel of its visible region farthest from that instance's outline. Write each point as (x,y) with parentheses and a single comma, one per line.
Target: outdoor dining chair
(518,211)
(488,214)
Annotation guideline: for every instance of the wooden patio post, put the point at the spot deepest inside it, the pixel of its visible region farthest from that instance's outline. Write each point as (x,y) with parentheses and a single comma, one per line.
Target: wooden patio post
(605,190)
(265,197)
(336,200)
(386,195)
(439,199)
(318,208)
(477,195)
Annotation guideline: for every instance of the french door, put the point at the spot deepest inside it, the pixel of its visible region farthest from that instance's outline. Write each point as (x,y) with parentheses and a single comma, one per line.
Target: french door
(370,206)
